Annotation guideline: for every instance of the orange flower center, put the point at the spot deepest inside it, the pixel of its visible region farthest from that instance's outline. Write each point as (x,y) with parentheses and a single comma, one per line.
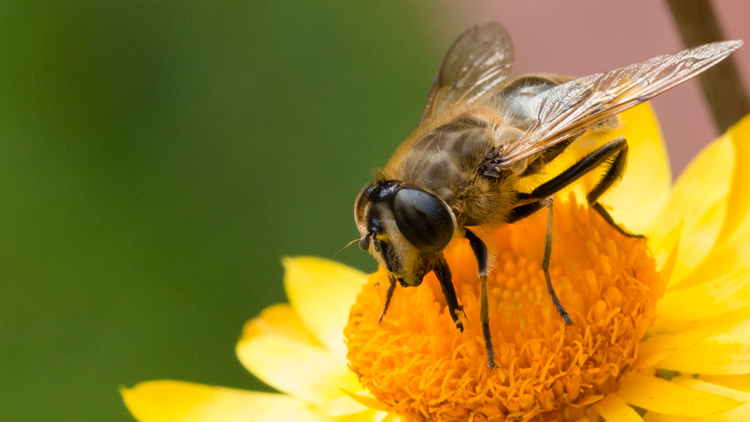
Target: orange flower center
(420,364)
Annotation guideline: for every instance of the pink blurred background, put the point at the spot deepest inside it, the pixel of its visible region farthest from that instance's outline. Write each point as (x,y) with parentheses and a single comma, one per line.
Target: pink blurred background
(588,36)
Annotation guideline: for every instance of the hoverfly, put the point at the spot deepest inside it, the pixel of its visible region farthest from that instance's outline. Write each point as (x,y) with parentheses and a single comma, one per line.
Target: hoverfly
(480,135)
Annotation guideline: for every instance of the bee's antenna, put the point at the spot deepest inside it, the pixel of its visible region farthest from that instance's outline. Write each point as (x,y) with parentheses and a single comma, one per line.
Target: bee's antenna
(347,245)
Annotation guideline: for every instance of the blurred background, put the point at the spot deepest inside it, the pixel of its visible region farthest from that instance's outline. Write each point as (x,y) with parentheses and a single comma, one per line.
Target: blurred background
(157,159)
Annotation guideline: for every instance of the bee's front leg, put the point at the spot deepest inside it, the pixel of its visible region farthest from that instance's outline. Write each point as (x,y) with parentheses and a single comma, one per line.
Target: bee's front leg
(480,251)
(445,277)
(388,296)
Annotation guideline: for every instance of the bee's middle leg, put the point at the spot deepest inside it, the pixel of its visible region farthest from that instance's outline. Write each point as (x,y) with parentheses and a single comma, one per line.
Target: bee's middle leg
(545,264)
(522,211)
(480,251)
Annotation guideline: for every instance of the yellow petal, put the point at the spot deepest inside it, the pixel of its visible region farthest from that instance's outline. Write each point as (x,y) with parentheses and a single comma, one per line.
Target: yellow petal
(732,250)
(656,349)
(725,352)
(279,319)
(730,257)
(340,406)
(667,260)
(368,416)
(739,193)
(366,399)
(658,417)
(735,382)
(662,396)
(696,244)
(708,300)
(647,182)
(698,200)
(614,409)
(740,414)
(322,292)
(307,372)
(392,417)
(166,401)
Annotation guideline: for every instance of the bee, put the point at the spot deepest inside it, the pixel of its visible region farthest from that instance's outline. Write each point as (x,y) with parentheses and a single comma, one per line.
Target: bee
(480,137)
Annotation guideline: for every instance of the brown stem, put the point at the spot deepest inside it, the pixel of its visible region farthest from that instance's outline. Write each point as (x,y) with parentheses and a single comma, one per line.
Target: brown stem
(722,85)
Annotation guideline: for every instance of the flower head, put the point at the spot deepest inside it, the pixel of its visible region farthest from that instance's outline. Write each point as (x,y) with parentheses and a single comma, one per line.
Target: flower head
(662,327)
(418,363)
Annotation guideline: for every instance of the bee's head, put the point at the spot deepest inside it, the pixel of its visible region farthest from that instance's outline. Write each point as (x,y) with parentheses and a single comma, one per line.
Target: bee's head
(403,226)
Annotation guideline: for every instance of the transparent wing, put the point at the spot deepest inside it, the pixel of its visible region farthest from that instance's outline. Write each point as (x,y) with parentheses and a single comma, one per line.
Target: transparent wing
(480,58)
(575,106)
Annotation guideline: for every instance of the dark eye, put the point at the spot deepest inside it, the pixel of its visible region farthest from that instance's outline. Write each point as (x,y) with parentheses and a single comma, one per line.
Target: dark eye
(423,219)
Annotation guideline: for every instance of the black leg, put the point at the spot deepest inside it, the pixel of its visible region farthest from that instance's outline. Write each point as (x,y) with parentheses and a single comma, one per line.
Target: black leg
(611,221)
(532,202)
(585,165)
(613,174)
(480,251)
(545,265)
(444,276)
(522,211)
(617,149)
(388,296)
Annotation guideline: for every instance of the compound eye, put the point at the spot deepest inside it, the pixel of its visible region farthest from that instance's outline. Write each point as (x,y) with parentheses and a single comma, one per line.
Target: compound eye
(423,219)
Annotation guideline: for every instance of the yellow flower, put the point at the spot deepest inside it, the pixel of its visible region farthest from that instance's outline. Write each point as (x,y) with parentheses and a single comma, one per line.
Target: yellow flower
(662,327)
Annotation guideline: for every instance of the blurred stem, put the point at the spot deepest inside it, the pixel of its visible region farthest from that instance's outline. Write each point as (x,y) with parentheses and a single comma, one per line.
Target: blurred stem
(722,85)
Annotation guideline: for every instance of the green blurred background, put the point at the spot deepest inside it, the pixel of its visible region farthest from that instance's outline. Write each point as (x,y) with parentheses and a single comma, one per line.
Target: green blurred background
(157,159)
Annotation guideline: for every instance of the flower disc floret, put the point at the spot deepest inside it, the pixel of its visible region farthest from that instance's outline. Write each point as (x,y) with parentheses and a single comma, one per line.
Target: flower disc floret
(422,366)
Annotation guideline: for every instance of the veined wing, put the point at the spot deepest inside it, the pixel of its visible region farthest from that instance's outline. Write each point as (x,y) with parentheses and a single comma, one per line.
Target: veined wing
(480,58)
(573,107)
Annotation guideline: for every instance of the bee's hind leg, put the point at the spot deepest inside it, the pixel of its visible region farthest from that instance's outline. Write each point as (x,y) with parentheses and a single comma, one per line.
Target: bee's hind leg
(611,221)
(614,173)
(615,152)
(480,251)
